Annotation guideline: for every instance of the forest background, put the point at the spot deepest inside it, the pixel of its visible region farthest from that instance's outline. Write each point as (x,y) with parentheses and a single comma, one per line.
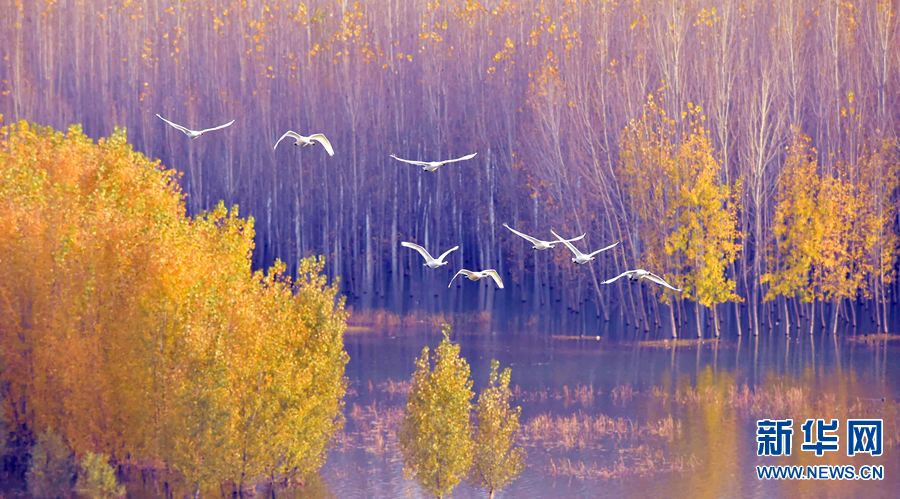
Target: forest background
(745,150)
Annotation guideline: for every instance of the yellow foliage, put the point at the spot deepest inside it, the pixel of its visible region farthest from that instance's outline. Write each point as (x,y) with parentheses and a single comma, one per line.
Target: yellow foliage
(168,348)
(831,236)
(686,219)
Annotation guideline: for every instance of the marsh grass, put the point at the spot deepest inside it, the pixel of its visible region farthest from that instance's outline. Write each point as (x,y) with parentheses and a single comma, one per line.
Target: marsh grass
(585,395)
(582,431)
(581,394)
(669,343)
(781,400)
(872,338)
(623,394)
(374,429)
(586,445)
(638,462)
(380,320)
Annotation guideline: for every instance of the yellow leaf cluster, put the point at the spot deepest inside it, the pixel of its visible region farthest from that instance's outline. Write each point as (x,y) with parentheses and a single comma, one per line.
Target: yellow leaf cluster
(134,331)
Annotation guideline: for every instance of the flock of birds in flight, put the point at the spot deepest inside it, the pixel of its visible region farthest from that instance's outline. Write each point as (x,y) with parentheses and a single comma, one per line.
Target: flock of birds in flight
(430,261)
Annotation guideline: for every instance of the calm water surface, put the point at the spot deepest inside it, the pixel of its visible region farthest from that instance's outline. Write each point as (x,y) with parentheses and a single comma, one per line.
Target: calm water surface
(724,447)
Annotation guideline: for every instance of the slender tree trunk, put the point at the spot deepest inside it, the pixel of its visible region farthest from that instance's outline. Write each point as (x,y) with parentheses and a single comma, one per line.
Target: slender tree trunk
(699,327)
(715,311)
(787,317)
(812,317)
(672,319)
(835,314)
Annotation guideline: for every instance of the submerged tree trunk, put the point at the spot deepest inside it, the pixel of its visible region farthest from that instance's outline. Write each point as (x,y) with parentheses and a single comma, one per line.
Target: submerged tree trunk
(812,317)
(715,311)
(787,318)
(835,308)
(672,318)
(699,326)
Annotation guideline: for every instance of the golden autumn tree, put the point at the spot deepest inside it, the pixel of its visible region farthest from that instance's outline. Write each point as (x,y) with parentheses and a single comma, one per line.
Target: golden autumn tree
(173,353)
(686,219)
(706,239)
(832,238)
(436,434)
(647,151)
(497,462)
(878,180)
(840,266)
(794,244)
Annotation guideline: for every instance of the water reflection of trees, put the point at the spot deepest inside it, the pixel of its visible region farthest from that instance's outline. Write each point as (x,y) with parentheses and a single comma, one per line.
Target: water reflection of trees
(700,431)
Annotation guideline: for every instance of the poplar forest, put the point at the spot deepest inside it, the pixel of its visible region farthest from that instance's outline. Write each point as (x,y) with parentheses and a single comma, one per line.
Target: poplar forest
(777,120)
(173,311)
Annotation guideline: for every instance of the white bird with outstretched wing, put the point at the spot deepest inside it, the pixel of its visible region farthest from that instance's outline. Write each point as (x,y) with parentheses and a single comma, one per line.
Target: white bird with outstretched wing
(637,275)
(580,257)
(430,261)
(539,244)
(474,276)
(433,165)
(301,140)
(193,134)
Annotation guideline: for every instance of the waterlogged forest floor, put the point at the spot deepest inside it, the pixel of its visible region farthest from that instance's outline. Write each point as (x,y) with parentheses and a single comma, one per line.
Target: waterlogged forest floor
(579,445)
(630,418)
(670,433)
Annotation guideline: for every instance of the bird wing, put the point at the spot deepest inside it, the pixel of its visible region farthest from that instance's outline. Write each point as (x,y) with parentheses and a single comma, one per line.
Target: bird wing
(470,156)
(614,279)
(441,258)
(524,236)
(659,280)
(461,271)
(493,273)
(177,127)
(567,243)
(604,249)
(410,161)
(579,238)
(218,127)
(320,138)
(422,251)
(289,133)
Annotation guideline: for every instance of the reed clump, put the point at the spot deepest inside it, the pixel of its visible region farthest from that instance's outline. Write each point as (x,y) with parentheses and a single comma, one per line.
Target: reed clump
(873,338)
(622,394)
(374,429)
(392,388)
(634,462)
(582,431)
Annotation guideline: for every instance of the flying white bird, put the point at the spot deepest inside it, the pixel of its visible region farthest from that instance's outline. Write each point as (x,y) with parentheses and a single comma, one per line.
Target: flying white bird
(193,134)
(300,140)
(429,260)
(433,165)
(637,275)
(538,244)
(474,276)
(580,257)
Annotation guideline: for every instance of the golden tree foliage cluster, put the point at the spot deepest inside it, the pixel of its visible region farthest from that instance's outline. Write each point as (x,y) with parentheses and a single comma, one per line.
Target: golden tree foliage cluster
(496,462)
(832,233)
(686,217)
(436,434)
(440,447)
(170,352)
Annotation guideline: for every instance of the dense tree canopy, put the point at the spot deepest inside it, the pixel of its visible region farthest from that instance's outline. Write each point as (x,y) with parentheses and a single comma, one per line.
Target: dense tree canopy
(170,352)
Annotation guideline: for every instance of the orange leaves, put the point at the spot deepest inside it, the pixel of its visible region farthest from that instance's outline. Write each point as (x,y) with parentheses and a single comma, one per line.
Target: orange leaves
(153,325)
(687,220)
